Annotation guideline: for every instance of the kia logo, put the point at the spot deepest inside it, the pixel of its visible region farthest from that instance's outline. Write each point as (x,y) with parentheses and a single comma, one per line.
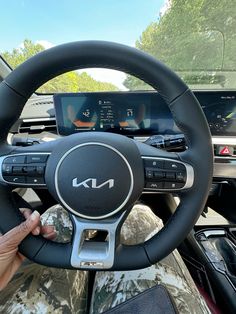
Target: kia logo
(91,183)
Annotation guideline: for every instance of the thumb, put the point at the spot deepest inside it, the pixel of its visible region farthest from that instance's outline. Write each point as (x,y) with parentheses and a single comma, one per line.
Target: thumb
(13,238)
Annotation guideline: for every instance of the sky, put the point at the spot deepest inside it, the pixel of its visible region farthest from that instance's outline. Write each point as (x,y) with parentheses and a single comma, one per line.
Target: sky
(52,22)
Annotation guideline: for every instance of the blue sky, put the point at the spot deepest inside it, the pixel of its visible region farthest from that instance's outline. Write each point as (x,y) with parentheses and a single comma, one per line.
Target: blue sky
(52,22)
(60,21)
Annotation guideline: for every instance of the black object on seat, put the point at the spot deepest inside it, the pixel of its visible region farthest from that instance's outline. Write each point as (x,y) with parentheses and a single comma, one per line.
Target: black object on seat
(155,300)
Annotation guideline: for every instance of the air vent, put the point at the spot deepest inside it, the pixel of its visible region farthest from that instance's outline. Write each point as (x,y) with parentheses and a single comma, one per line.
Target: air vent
(38,126)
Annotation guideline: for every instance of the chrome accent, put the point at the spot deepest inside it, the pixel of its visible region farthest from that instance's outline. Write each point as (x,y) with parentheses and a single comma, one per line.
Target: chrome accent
(141,138)
(19,184)
(223,140)
(71,209)
(225,170)
(94,254)
(226,158)
(209,233)
(94,185)
(217,140)
(39,119)
(189,174)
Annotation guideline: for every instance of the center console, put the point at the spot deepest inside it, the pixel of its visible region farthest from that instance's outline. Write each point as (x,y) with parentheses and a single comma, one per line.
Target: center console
(218,250)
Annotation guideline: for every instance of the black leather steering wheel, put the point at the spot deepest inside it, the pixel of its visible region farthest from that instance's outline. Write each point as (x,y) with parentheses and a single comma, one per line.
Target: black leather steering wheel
(96,176)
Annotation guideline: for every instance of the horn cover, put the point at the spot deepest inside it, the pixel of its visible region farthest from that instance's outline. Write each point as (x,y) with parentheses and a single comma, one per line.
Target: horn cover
(96,179)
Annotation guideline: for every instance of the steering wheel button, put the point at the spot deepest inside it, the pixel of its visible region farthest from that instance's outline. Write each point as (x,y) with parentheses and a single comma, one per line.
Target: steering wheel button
(180,177)
(170,176)
(173,165)
(35,180)
(36,159)
(40,169)
(30,170)
(15,179)
(159,175)
(154,185)
(173,185)
(17,170)
(14,160)
(6,169)
(154,163)
(149,174)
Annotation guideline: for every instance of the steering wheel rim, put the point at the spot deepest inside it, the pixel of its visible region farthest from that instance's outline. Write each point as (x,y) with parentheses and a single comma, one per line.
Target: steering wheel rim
(187,114)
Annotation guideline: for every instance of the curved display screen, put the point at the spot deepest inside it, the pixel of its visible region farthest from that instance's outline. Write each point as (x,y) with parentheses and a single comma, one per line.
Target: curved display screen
(138,113)
(119,112)
(220,111)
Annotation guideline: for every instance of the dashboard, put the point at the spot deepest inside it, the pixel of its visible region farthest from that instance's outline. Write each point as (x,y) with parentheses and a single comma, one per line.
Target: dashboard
(138,113)
(143,116)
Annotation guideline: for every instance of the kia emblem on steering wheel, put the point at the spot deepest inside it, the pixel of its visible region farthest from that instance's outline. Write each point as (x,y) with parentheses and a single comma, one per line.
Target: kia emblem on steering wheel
(93,184)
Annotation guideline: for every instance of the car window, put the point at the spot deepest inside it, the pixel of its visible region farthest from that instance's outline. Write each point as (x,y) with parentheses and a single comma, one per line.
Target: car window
(196,38)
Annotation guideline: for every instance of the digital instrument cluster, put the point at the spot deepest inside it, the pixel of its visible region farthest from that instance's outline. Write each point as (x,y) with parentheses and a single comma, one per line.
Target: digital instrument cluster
(126,113)
(138,113)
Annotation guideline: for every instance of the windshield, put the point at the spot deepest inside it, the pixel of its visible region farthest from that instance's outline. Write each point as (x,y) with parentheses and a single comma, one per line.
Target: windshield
(196,38)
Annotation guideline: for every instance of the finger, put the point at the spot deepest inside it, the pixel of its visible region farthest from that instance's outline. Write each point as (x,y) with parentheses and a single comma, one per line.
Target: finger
(27,212)
(50,236)
(13,237)
(47,229)
(36,231)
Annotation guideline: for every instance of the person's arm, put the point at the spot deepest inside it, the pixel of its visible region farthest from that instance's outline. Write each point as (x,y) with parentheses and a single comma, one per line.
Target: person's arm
(10,258)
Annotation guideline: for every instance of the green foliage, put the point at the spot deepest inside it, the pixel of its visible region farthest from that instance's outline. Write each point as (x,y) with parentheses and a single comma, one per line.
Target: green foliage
(68,82)
(193,36)
(18,56)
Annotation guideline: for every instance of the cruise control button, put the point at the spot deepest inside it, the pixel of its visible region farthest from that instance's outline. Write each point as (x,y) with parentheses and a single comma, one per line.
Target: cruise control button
(153,163)
(40,169)
(15,179)
(159,175)
(173,165)
(17,170)
(154,185)
(30,170)
(35,180)
(6,169)
(173,185)
(149,174)
(14,160)
(170,176)
(180,176)
(36,159)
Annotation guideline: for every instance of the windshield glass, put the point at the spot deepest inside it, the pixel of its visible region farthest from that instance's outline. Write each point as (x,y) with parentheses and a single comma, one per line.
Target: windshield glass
(196,38)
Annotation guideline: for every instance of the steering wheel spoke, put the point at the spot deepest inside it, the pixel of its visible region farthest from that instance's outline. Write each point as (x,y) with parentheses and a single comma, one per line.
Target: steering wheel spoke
(98,251)
(167,175)
(164,171)
(26,167)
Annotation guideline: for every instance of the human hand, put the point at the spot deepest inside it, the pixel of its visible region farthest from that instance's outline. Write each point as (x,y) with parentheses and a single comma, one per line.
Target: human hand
(10,258)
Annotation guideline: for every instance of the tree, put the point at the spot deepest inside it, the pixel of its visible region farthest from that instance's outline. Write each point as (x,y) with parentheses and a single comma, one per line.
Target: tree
(68,82)
(194,37)
(18,56)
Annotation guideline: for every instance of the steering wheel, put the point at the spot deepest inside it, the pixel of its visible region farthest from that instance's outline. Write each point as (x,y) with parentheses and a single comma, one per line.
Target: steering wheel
(96,176)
